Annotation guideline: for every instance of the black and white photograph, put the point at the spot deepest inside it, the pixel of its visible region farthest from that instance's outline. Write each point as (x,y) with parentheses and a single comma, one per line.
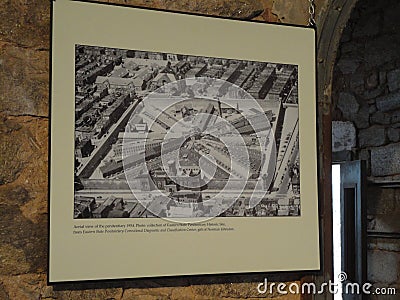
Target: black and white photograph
(167,135)
(173,132)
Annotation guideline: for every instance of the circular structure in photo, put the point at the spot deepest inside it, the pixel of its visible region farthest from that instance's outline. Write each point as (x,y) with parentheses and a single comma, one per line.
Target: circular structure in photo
(199,148)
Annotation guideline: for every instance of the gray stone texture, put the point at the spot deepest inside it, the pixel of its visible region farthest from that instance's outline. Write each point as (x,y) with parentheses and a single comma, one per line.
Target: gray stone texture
(361,119)
(372,137)
(393,80)
(394,134)
(343,136)
(384,244)
(372,109)
(395,117)
(378,268)
(383,201)
(382,77)
(386,223)
(348,104)
(357,83)
(348,65)
(368,67)
(380,118)
(372,81)
(373,93)
(388,102)
(385,160)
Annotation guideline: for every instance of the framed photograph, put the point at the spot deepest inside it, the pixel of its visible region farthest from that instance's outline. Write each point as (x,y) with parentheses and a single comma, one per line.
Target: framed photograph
(180,145)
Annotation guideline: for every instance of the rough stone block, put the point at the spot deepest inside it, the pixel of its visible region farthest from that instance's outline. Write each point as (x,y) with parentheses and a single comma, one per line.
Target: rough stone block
(10,159)
(372,137)
(343,136)
(3,293)
(361,119)
(341,156)
(382,77)
(394,134)
(348,65)
(24,144)
(23,287)
(24,248)
(384,244)
(393,80)
(382,201)
(380,118)
(395,117)
(371,94)
(290,10)
(25,23)
(357,83)
(246,9)
(13,260)
(348,104)
(372,109)
(378,271)
(388,102)
(89,294)
(235,291)
(386,160)
(372,80)
(24,81)
(365,154)
(386,222)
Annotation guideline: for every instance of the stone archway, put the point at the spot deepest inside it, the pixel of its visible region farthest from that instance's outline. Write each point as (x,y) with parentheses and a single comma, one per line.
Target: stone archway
(331,22)
(366,97)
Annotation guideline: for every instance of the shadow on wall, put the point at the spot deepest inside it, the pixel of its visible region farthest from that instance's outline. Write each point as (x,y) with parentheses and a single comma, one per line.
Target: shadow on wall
(180,281)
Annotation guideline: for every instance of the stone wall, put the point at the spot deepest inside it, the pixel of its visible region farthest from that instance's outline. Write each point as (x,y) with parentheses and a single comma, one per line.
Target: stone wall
(24,84)
(367,85)
(366,96)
